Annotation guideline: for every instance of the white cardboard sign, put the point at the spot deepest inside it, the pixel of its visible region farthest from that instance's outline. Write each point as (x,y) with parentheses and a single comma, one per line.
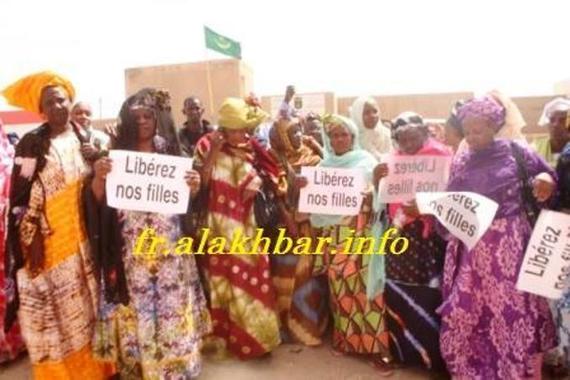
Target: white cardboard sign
(466,215)
(148,182)
(408,175)
(546,266)
(332,191)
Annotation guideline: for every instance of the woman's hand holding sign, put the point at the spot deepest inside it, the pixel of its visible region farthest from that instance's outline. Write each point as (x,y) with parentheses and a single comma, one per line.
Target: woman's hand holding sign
(410,208)
(301,181)
(193,180)
(543,187)
(101,167)
(380,171)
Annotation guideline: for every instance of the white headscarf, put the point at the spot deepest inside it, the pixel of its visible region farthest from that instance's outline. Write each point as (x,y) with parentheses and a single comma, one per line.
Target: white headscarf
(377,141)
(514,120)
(557,104)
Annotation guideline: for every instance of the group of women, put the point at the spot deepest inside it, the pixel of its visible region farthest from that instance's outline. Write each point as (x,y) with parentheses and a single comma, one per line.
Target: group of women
(87,307)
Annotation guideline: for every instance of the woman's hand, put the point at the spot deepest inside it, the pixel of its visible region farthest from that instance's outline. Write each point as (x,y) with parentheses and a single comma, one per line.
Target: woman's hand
(380,171)
(217,141)
(301,181)
(248,195)
(410,208)
(193,181)
(543,187)
(102,167)
(111,130)
(88,150)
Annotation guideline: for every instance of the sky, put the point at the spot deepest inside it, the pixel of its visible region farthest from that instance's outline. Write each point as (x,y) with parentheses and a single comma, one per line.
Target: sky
(349,47)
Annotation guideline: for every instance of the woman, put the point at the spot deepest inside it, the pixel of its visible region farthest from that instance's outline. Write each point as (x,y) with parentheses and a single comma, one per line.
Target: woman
(358,320)
(233,167)
(11,343)
(413,278)
(48,253)
(301,296)
(550,147)
(152,312)
(490,330)
(373,136)
(312,127)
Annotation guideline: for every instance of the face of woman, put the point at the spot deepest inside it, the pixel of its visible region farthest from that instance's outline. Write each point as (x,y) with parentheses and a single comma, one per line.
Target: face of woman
(452,137)
(479,133)
(235,136)
(410,140)
(295,134)
(370,116)
(341,140)
(313,128)
(557,126)
(145,121)
(55,105)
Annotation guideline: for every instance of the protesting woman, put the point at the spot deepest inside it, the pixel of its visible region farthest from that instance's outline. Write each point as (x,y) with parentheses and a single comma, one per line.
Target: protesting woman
(491,330)
(152,310)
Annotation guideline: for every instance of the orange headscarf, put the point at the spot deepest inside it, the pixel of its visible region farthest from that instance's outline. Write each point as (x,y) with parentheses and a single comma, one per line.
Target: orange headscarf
(26,92)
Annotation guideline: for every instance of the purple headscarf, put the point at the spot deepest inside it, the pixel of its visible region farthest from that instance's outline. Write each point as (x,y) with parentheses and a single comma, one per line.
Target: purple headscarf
(485,107)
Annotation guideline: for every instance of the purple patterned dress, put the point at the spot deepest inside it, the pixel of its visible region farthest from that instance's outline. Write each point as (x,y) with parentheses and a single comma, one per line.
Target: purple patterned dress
(489,329)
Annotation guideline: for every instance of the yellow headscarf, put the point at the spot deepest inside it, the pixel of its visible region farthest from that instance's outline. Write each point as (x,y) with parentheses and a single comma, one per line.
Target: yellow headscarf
(235,113)
(26,92)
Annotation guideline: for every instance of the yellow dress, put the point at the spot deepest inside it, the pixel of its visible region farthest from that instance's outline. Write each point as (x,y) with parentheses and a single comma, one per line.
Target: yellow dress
(58,304)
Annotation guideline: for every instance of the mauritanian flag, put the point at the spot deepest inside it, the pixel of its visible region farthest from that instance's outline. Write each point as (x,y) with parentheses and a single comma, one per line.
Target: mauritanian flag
(222,44)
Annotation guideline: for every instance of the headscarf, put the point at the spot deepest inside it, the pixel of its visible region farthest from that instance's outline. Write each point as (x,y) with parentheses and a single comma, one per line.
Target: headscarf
(355,158)
(514,120)
(236,113)
(26,92)
(557,104)
(485,107)
(159,102)
(431,147)
(407,120)
(377,140)
(512,126)
(302,156)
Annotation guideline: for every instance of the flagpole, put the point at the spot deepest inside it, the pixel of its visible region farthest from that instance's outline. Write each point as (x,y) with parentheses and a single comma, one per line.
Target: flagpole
(209,83)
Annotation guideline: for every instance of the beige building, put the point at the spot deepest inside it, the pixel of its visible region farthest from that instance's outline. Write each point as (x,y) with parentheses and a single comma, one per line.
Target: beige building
(233,77)
(229,77)
(318,102)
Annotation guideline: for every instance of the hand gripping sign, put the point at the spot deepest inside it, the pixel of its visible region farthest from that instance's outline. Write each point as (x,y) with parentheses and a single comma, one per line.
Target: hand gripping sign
(148,182)
(466,215)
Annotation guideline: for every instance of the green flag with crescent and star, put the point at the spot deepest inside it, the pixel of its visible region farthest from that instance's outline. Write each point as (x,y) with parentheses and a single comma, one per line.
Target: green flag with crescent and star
(222,44)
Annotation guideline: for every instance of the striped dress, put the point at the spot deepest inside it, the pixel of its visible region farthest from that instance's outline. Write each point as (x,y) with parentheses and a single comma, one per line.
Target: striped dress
(240,290)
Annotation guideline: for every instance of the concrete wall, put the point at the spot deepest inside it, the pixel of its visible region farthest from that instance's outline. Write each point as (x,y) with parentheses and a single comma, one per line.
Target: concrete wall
(319,102)
(430,106)
(531,108)
(229,77)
